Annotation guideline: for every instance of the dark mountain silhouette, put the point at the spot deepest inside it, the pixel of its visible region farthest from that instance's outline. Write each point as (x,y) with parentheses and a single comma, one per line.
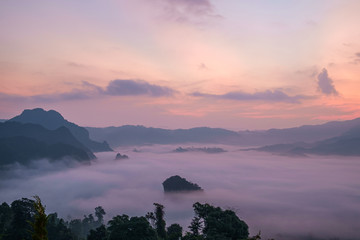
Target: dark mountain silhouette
(177,183)
(23,150)
(140,135)
(121,156)
(38,132)
(53,120)
(306,133)
(210,150)
(347,144)
(24,142)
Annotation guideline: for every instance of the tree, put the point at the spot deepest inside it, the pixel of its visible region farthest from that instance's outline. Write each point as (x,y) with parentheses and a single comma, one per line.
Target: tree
(196,226)
(39,225)
(220,224)
(160,223)
(76,227)
(174,232)
(82,228)
(190,236)
(23,212)
(123,228)
(57,228)
(99,213)
(88,223)
(5,219)
(97,234)
(150,216)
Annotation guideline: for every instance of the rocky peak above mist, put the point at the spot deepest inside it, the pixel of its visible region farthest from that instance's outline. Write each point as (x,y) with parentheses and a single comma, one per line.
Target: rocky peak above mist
(121,156)
(179,184)
(52,120)
(49,119)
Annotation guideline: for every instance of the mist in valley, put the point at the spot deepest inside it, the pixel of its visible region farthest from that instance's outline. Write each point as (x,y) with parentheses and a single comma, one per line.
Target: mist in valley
(280,196)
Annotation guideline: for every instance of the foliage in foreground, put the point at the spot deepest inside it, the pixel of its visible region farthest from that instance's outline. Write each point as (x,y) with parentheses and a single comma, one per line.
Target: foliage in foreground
(26,219)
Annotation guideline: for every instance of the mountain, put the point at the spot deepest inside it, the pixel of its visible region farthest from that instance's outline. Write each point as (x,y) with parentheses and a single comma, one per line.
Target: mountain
(140,135)
(210,150)
(347,144)
(178,184)
(23,150)
(306,133)
(25,142)
(53,120)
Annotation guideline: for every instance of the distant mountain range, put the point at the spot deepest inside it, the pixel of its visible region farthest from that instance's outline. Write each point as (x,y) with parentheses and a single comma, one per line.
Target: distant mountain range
(306,133)
(49,127)
(347,144)
(211,150)
(140,135)
(53,120)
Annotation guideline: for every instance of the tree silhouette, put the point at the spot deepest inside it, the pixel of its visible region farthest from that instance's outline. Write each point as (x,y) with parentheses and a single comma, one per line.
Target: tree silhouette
(123,228)
(220,224)
(57,228)
(159,221)
(174,232)
(23,212)
(39,225)
(5,219)
(99,213)
(97,234)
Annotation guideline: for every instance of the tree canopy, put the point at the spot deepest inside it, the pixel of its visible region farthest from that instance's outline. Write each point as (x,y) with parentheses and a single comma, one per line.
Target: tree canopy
(25,219)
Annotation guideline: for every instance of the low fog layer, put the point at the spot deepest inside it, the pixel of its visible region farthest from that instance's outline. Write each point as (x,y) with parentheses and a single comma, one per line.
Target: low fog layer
(283,197)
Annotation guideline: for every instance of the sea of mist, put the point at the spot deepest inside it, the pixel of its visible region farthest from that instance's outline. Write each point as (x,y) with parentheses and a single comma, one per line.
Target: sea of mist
(286,198)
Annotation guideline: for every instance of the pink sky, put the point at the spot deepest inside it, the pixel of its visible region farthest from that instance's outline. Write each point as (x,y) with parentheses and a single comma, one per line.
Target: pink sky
(182,63)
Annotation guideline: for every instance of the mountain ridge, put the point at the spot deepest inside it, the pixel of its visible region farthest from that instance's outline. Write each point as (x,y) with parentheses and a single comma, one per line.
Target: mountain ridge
(23,143)
(346,144)
(140,135)
(52,120)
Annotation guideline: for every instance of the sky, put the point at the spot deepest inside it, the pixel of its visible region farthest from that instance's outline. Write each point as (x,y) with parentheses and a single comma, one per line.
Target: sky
(182,63)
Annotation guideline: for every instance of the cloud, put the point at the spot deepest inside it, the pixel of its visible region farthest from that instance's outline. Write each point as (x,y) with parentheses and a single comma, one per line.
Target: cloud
(325,84)
(202,66)
(268,95)
(88,91)
(11,98)
(308,72)
(75,65)
(137,87)
(356,58)
(85,91)
(189,11)
(315,194)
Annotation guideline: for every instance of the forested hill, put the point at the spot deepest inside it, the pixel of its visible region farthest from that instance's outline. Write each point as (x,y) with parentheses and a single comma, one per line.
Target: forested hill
(25,142)
(53,120)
